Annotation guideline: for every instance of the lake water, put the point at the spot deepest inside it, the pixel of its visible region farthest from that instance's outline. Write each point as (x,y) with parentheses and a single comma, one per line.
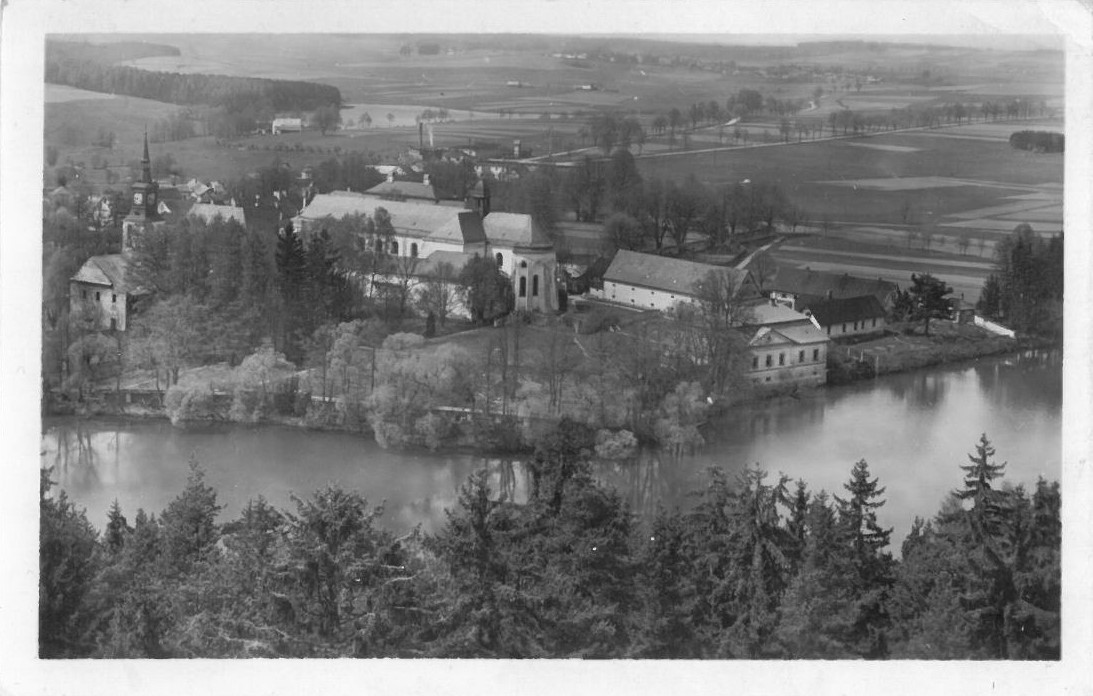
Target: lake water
(914,429)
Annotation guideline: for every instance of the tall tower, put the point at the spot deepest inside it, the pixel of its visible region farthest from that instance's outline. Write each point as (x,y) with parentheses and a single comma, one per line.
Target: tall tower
(145,199)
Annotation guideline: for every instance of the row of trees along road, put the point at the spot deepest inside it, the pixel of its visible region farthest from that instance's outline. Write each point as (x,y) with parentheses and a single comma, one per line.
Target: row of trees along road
(755,568)
(640,213)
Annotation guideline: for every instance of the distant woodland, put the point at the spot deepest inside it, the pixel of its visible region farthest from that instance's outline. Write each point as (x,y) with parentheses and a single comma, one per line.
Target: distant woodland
(90,66)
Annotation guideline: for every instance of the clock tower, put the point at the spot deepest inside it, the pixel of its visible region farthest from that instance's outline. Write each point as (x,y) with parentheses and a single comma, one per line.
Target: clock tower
(144,198)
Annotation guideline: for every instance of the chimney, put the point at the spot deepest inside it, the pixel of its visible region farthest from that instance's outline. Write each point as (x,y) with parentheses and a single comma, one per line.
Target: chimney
(425,180)
(390,177)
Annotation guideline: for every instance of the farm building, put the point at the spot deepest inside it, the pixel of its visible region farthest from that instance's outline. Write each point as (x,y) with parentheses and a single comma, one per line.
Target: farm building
(522,250)
(101,286)
(404,190)
(799,286)
(648,281)
(851,316)
(287,125)
(210,211)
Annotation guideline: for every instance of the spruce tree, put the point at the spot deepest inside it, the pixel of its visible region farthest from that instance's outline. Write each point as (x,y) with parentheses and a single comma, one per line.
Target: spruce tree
(117,529)
(989,503)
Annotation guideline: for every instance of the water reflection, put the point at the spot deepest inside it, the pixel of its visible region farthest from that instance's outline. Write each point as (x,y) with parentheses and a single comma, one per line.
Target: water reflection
(913,429)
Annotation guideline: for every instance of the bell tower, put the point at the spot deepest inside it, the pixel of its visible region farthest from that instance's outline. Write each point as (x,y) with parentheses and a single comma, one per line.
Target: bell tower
(145,203)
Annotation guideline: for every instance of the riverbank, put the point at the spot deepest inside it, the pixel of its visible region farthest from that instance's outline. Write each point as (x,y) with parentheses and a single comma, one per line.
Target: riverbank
(904,348)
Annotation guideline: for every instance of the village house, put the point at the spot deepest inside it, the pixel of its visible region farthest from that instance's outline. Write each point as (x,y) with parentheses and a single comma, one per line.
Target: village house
(207,212)
(851,316)
(520,248)
(404,190)
(787,347)
(287,125)
(798,287)
(100,285)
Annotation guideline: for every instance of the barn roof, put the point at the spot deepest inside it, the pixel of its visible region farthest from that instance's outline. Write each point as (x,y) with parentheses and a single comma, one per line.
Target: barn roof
(406,189)
(664,273)
(838,311)
(809,283)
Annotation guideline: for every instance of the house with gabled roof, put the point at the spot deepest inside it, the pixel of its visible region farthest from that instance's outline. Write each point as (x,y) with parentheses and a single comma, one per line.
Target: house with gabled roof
(101,285)
(851,316)
(799,286)
(649,281)
(207,212)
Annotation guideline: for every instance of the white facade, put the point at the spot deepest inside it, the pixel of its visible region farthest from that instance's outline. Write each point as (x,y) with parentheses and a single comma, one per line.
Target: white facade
(639,297)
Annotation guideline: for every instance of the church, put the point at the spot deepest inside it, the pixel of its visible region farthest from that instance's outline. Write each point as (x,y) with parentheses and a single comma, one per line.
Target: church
(101,285)
(435,231)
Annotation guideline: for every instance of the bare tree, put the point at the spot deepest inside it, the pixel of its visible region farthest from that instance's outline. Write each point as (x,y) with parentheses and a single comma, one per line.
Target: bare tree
(440,292)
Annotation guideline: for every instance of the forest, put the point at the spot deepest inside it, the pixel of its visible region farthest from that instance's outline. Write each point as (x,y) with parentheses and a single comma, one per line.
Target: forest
(754,567)
(1026,290)
(82,65)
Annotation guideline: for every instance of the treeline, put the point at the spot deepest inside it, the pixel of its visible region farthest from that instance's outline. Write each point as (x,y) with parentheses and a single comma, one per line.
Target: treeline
(754,568)
(642,213)
(1038,141)
(1025,292)
(75,65)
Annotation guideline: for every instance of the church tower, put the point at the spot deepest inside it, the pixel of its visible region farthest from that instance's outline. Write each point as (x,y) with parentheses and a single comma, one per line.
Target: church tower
(479,199)
(145,203)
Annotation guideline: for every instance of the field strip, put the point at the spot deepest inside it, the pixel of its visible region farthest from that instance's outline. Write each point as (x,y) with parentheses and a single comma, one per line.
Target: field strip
(895,275)
(890,257)
(1000,210)
(887,148)
(999,225)
(1054,215)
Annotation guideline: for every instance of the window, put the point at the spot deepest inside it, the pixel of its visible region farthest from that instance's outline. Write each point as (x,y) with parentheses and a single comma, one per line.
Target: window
(855,326)
(83,294)
(413,250)
(781,358)
(96,297)
(523,264)
(500,260)
(394,247)
(844,328)
(815,353)
(874,322)
(113,298)
(113,324)
(535,285)
(523,287)
(801,357)
(829,329)
(770,361)
(755,363)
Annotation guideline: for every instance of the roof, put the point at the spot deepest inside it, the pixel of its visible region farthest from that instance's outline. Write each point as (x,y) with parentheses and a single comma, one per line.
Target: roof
(209,211)
(839,311)
(803,281)
(287,122)
(456,259)
(799,334)
(767,314)
(516,230)
(109,270)
(407,189)
(440,222)
(662,272)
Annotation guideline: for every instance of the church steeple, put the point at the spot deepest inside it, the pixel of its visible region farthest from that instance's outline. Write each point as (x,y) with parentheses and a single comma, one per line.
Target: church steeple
(144,211)
(146,162)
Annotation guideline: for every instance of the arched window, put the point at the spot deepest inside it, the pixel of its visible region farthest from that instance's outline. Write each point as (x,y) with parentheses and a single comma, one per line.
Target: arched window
(500,260)
(523,286)
(535,285)
(394,247)
(413,250)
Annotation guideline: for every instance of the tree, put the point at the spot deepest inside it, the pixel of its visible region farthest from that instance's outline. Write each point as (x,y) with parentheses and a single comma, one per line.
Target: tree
(929,300)
(168,335)
(67,563)
(489,292)
(712,338)
(440,292)
(189,521)
(623,231)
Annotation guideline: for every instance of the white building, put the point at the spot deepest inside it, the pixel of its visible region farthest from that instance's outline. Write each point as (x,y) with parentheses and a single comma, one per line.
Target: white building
(101,285)
(521,249)
(287,125)
(647,281)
